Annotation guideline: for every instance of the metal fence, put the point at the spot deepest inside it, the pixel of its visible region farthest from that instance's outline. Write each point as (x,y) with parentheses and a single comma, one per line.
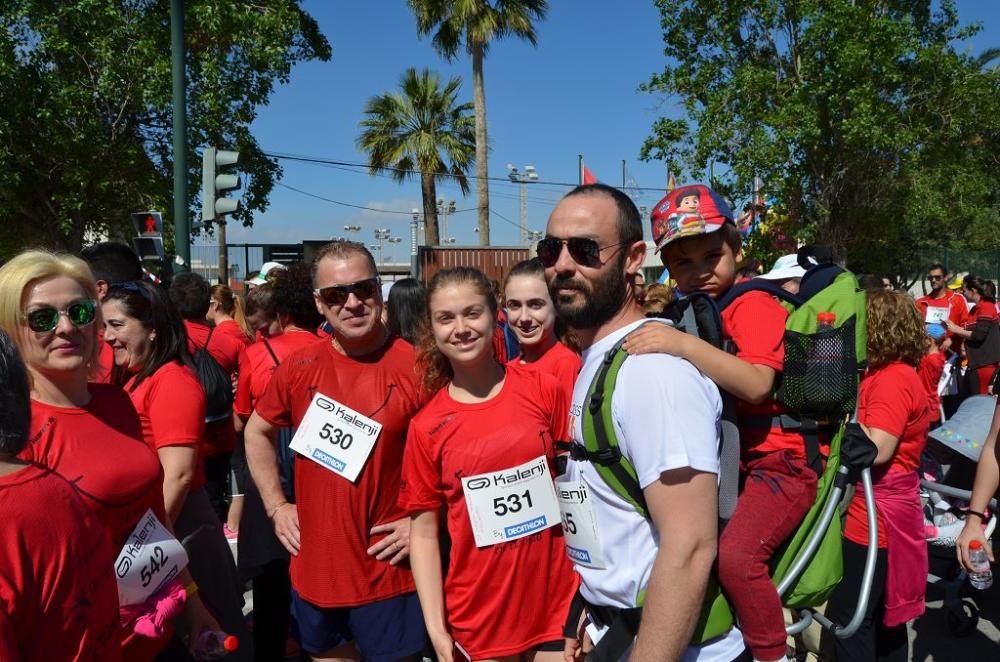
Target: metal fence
(244,259)
(985,264)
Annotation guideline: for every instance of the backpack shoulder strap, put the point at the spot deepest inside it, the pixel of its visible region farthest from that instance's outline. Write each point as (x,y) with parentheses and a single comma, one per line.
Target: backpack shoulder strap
(599,436)
(758,285)
(211,330)
(270,350)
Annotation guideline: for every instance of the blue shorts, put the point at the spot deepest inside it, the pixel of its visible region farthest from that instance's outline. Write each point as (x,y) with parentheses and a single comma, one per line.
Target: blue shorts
(383,631)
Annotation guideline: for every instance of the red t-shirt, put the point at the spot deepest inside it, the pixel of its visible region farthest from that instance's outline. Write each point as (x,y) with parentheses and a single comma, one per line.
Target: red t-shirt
(220,436)
(231,329)
(105,362)
(59,601)
(332,568)
(503,599)
(100,451)
(891,398)
(984,310)
(755,323)
(559,361)
(169,420)
(958,312)
(930,371)
(257,365)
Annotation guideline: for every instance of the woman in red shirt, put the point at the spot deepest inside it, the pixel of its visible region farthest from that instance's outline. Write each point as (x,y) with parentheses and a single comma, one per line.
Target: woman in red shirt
(481,453)
(152,364)
(86,433)
(532,316)
(60,603)
(225,312)
(982,333)
(894,412)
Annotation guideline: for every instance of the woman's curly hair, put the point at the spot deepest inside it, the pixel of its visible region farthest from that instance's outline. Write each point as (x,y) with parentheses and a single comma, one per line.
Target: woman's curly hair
(895,329)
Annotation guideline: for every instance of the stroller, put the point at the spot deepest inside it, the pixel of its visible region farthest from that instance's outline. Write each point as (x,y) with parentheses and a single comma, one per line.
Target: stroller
(948,469)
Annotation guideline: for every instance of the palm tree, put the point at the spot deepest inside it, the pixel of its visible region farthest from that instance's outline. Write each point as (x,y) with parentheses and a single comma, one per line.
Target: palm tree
(984,59)
(477,23)
(423,128)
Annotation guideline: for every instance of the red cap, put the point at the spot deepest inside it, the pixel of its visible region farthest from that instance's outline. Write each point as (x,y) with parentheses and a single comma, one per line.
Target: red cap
(231,643)
(826,318)
(975,544)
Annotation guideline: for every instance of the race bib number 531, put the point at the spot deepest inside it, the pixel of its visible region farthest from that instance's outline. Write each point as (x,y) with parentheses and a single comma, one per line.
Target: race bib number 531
(336,437)
(511,504)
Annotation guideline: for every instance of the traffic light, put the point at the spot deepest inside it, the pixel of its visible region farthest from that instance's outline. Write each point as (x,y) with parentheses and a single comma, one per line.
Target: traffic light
(214,185)
(148,245)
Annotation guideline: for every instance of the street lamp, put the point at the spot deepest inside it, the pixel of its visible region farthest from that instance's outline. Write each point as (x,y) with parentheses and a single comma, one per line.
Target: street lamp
(414,238)
(352,228)
(523,177)
(535,235)
(445,207)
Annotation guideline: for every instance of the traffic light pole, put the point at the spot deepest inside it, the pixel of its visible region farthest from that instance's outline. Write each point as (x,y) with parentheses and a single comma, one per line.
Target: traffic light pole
(182,228)
(223,252)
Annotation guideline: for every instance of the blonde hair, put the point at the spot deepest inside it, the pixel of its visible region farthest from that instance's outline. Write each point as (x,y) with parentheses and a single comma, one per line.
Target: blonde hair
(30,267)
(232,305)
(896,330)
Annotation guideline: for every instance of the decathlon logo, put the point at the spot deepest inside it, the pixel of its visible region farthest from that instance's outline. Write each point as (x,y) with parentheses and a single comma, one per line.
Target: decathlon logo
(478,483)
(525,527)
(328,460)
(579,555)
(323,403)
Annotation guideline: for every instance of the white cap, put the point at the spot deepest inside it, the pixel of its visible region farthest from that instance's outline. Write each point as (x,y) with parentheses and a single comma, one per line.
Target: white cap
(786,266)
(261,276)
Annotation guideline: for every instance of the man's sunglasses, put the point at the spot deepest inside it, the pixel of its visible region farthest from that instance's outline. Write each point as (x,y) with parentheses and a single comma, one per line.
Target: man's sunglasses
(583,250)
(336,295)
(43,320)
(932,277)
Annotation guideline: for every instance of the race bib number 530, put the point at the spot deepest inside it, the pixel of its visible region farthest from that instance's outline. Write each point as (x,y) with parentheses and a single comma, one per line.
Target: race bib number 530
(511,504)
(336,437)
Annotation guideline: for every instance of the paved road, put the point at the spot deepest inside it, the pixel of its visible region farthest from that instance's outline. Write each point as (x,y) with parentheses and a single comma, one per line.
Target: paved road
(930,640)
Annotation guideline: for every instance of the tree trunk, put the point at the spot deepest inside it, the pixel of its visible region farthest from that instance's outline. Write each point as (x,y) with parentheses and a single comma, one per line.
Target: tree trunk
(482,146)
(429,193)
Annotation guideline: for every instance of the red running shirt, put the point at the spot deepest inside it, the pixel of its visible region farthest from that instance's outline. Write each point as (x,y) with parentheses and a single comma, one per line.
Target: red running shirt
(504,599)
(958,311)
(333,568)
(60,601)
(220,436)
(257,365)
(559,361)
(169,420)
(105,362)
(893,399)
(930,371)
(755,323)
(231,329)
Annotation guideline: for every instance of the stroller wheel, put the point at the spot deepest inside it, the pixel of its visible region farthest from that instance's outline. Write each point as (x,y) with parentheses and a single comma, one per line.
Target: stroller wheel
(962,619)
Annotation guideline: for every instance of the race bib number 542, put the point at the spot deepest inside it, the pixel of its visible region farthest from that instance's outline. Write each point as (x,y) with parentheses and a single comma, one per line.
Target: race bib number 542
(511,504)
(336,437)
(150,558)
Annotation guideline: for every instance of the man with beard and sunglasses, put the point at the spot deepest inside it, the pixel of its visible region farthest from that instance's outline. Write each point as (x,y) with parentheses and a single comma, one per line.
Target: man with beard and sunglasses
(942,304)
(350,398)
(666,418)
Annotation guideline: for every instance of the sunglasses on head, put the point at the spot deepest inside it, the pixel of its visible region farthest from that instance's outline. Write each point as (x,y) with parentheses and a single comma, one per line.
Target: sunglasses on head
(43,320)
(130,286)
(583,250)
(337,295)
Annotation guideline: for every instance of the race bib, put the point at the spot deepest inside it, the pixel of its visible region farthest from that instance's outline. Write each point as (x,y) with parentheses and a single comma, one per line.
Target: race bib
(150,559)
(579,524)
(336,437)
(936,315)
(511,504)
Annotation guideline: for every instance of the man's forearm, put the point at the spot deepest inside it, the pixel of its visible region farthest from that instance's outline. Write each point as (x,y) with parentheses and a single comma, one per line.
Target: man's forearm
(262,457)
(674,599)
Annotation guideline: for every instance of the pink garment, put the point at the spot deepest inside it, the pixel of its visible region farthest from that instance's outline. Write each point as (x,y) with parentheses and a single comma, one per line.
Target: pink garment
(897,497)
(151,617)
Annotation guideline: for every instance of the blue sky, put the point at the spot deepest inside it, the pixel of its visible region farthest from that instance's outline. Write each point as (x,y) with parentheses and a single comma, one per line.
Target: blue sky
(575,93)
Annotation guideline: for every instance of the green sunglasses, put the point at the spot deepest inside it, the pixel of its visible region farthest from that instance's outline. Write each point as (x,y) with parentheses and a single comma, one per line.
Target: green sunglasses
(43,320)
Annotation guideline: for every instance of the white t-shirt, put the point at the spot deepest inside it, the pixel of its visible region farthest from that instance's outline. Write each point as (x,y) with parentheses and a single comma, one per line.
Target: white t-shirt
(667,416)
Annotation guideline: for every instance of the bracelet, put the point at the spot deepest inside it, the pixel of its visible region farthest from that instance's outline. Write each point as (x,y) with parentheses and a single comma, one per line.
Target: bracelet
(981,516)
(191,589)
(274,512)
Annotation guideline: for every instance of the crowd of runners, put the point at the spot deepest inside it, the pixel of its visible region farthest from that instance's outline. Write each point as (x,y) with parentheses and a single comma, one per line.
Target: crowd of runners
(412,472)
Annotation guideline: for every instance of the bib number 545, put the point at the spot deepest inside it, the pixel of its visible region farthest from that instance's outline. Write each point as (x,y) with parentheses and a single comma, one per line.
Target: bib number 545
(336,436)
(512,503)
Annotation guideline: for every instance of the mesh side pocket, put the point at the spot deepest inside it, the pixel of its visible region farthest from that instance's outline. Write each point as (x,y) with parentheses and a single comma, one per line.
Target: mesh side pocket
(820,371)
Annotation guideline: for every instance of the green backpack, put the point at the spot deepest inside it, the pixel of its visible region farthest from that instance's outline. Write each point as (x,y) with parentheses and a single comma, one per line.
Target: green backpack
(819,383)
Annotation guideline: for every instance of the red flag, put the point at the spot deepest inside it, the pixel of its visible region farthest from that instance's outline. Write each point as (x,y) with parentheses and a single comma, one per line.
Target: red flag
(588,177)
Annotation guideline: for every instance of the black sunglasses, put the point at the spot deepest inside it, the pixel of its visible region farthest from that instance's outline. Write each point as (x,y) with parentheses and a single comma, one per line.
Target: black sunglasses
(336,295)
(43,320)
(583,250)
(933,277)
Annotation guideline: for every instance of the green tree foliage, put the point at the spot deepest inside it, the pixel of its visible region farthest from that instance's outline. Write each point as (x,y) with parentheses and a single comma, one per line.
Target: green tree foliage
(475,24)
(422,127)
(85,123)
(868,126)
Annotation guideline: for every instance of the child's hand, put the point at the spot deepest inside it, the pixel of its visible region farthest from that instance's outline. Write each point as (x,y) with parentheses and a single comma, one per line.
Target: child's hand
(656,338)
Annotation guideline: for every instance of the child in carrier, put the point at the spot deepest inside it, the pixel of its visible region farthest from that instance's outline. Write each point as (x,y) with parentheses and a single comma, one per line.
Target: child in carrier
(780,487)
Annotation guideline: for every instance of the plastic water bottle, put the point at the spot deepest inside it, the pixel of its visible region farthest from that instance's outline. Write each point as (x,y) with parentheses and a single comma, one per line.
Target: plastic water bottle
(825,321)
(213,644)
(981,577)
